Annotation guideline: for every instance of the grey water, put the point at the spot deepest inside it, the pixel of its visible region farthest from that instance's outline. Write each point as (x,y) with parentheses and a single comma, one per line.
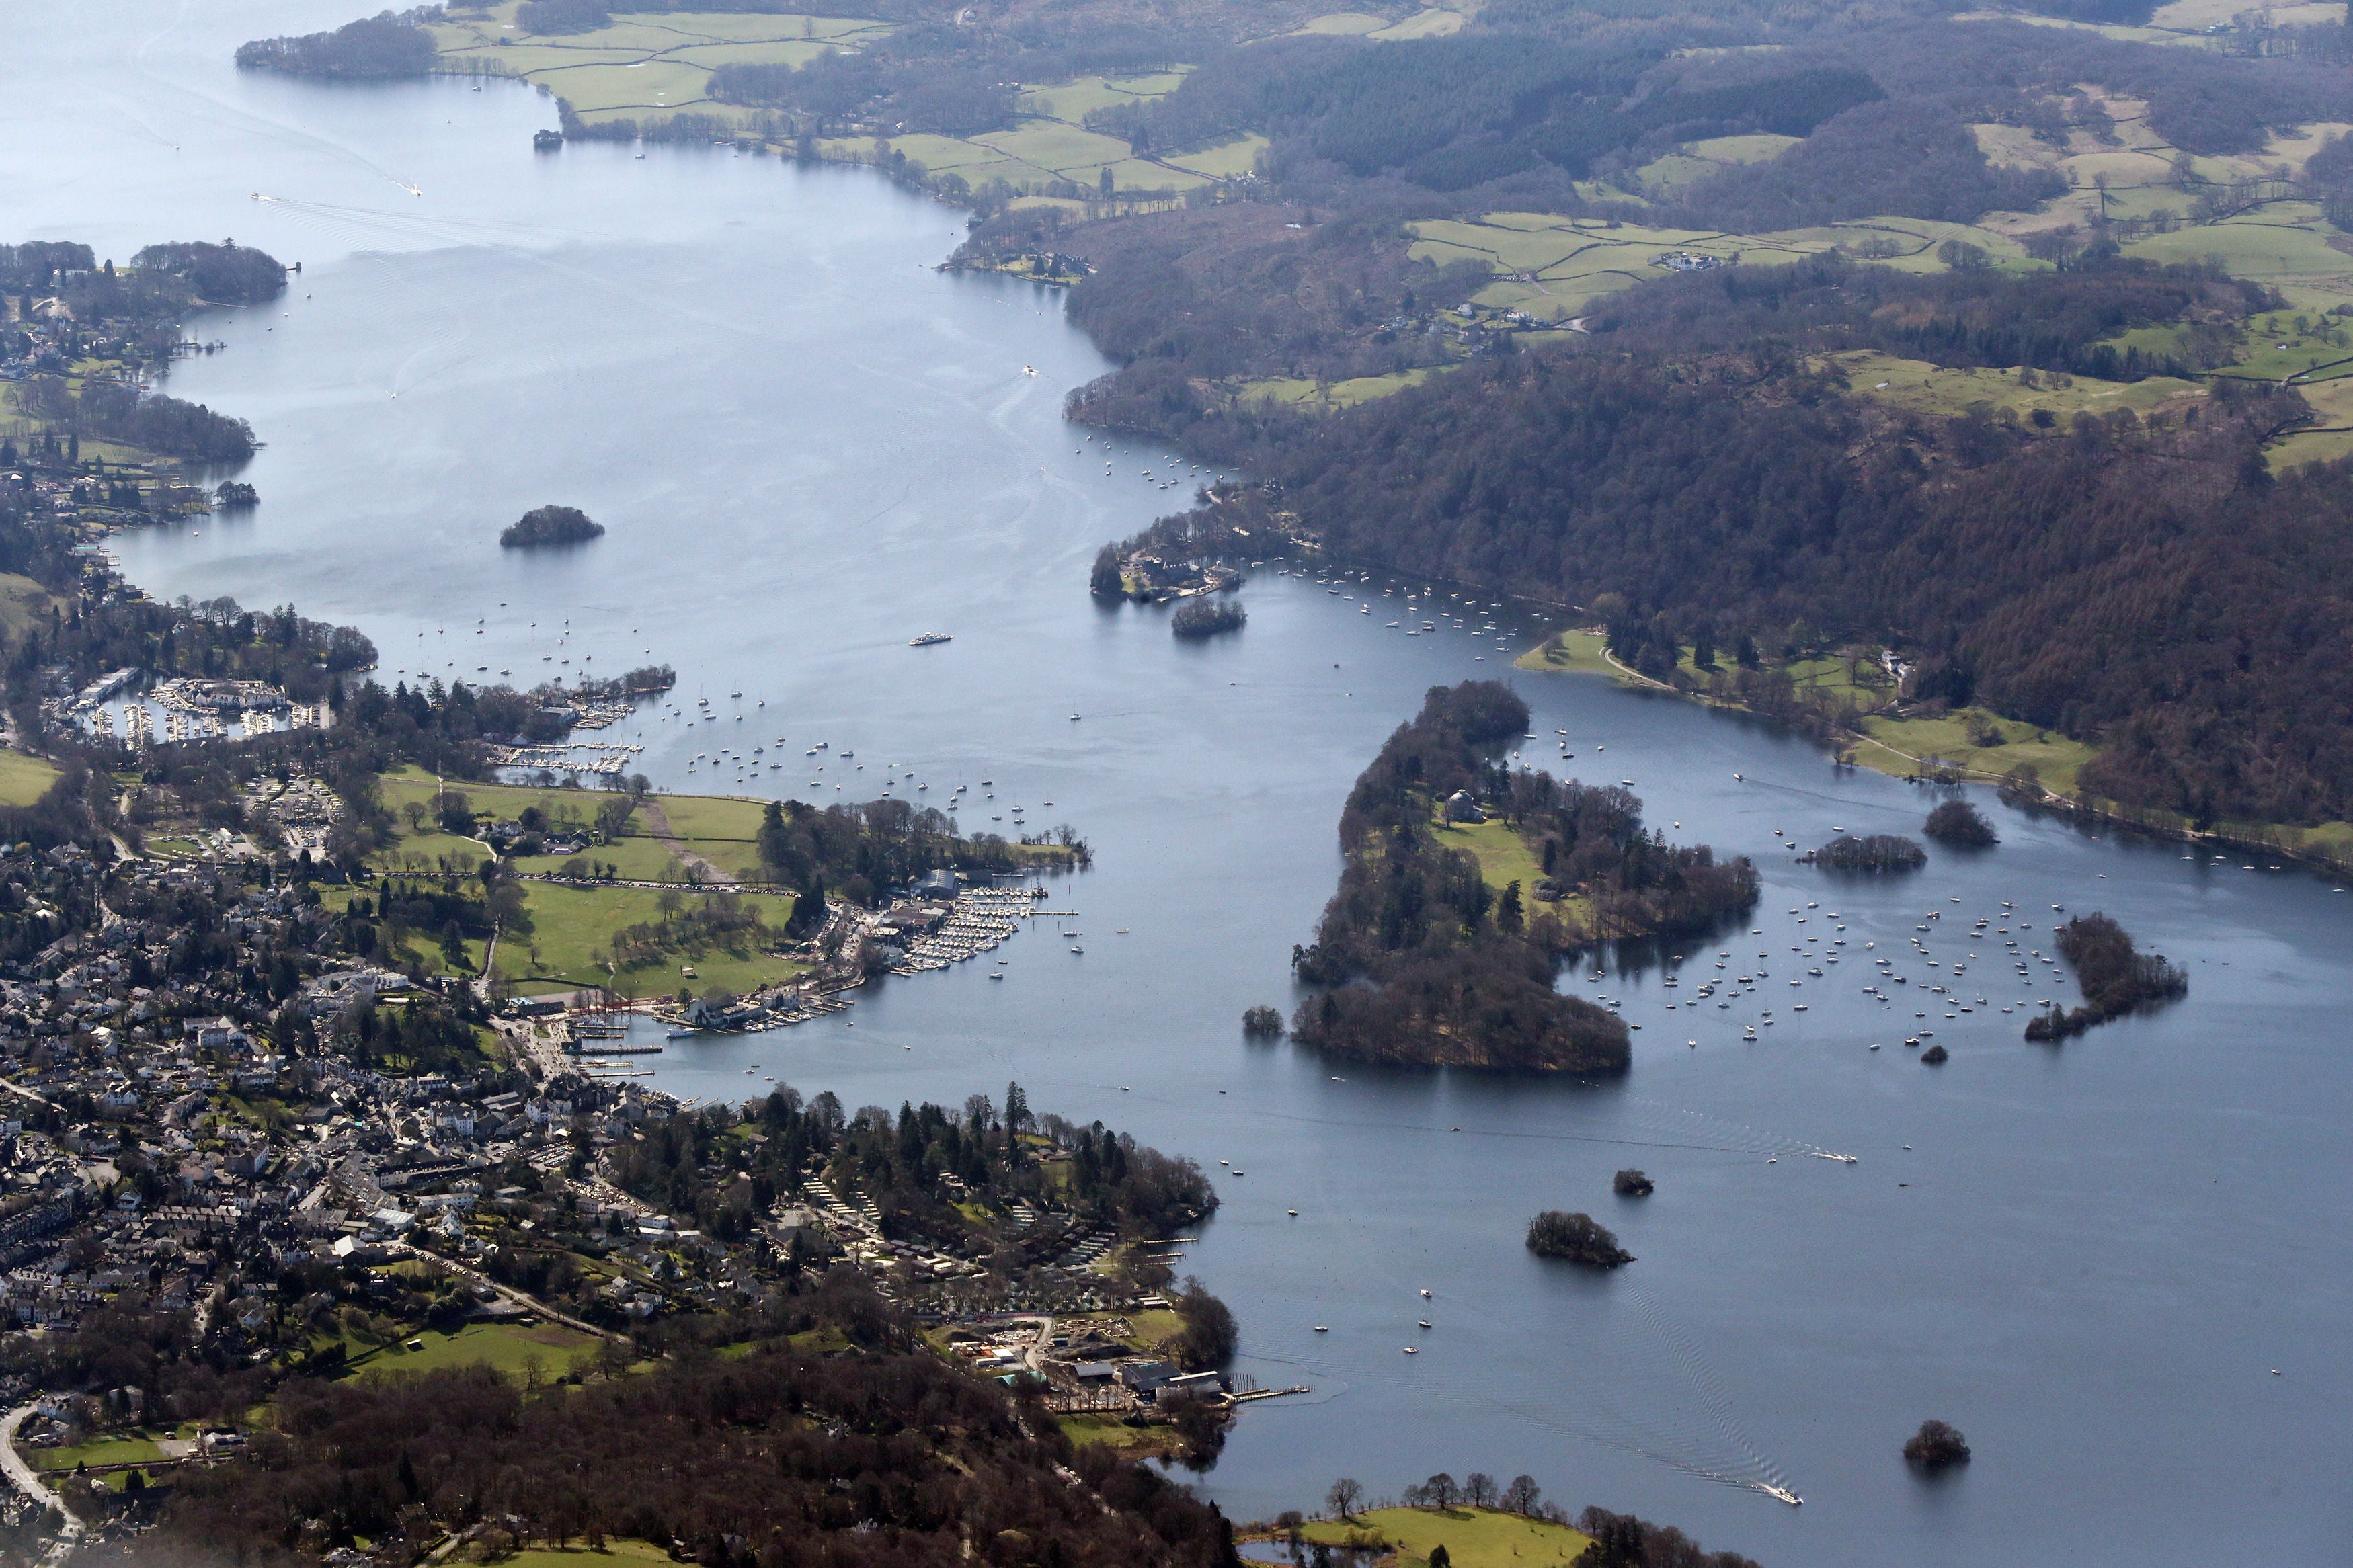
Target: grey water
(810,446)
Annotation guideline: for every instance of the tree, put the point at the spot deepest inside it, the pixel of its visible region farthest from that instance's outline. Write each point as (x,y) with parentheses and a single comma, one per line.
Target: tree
(1440,1491)
(1958,825)
(1341,1501)
(1479,1489)
(1106,582)
(1439,1558)
(1935,1445)
(1105,185)
(1509,913)
(1262,1023)
(1577,1237)
(456,814)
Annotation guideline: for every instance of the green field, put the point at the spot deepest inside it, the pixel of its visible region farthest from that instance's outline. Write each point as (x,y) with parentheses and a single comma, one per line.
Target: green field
(1473,1537)
(23,601)
(615,1554)
(1073,101)
(1432,24)
(1341,25)
(2332,402)
(506,1347)
(1572,652)
(1554,268)
(571,926)
(1324,396)
(1502,855)
(2056,757)
(645,68)
(23,779)
(1935,390)
(1228,160)
(127,1450)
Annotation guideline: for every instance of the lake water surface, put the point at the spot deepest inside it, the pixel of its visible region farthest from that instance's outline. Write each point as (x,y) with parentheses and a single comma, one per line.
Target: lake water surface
(809,446)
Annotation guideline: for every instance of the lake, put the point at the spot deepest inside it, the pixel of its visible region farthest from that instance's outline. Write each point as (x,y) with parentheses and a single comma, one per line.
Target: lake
(809,446)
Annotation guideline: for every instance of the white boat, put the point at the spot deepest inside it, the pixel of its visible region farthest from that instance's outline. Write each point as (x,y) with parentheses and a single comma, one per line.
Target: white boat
(1782,1494)
(928,638)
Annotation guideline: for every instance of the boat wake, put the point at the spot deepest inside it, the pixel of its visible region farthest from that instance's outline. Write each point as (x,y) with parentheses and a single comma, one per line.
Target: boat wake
(1685,1419)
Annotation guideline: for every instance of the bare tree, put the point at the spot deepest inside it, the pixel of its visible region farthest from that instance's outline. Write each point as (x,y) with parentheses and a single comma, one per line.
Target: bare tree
(1440,1491)
(1479,1489)
(1341,1501)
(1523,1494)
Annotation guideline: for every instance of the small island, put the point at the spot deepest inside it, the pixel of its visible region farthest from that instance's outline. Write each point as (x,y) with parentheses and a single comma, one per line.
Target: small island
(1934,1056)
(1958,825)
(1872,853)
(1262,1023)
(2114,978)
(1198,619)
(550,525)
(235,494)
(1578,1237)
(1632,1185)
(1935,1447)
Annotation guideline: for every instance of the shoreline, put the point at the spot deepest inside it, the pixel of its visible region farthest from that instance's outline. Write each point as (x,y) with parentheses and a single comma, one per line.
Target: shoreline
(2111,815)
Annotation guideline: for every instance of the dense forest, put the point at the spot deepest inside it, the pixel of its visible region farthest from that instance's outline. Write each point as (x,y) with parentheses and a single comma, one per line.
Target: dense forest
(2115,977)
(227,274)
(375,48)
(776,1460)
(152,421)
(2144,582)
(915,1168)
(1425,963)
(855,849)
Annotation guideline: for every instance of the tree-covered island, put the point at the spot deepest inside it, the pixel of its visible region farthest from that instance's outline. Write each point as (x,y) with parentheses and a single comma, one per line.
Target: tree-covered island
(550,525)
(1467,881)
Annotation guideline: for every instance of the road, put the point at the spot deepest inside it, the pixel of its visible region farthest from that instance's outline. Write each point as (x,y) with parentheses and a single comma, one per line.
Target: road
(26,1480)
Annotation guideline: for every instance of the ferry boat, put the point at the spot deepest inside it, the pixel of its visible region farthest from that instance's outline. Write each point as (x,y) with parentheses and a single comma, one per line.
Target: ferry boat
(928,638)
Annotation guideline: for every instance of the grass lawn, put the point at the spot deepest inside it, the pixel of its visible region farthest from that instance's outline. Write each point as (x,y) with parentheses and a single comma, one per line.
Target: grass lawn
(1473,1537)
(1502,855)
(1762,148)
(1113,1433)
(636,857)
(1073,101)
(23,779)
(1572,652)
(711,816)
(617,1554)
(644,69)
(1341,25)
(1324,396)
(133,1450)
(1431,24)
(1225,159)
(571,925)
(507,801)
(2055,756)
(1930,389)
(22,602)
(505,1346)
